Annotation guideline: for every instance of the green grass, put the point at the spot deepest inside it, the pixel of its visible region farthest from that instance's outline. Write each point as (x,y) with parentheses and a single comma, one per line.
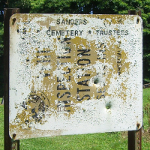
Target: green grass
(103,141)
(146,108)
(1,126)
(77,142)
(146,97)
(146,80)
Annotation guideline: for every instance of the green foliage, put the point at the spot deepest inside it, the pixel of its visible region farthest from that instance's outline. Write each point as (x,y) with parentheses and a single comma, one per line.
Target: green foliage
(146,108)
(1,126)
(54,6)
(1,38)
(24,5)
(1,59)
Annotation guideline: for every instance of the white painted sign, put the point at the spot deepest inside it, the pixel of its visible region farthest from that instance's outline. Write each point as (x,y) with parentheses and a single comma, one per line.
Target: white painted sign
(74,74)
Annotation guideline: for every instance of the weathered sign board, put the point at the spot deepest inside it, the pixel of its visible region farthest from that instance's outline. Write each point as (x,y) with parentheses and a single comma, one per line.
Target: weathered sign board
(74,74)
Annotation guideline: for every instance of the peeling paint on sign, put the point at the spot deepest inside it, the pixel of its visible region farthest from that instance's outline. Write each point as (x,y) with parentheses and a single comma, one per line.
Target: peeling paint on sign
(74,74)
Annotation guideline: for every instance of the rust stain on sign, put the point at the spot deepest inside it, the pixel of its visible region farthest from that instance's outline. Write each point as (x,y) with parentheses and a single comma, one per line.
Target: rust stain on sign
(71,71)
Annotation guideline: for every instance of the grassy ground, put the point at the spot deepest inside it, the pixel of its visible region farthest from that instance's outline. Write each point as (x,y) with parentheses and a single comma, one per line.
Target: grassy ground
(1,126)
(103,141)
(146,108)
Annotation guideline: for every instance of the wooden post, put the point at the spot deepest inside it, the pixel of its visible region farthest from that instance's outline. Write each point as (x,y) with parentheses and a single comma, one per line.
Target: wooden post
(135,137)
(135,140)
(8,12)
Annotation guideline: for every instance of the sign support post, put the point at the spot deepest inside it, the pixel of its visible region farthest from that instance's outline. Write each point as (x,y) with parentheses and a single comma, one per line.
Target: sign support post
(8,144)
(135,137)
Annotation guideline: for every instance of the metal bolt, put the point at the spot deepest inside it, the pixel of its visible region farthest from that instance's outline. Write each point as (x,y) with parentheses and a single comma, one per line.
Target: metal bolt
(14,20)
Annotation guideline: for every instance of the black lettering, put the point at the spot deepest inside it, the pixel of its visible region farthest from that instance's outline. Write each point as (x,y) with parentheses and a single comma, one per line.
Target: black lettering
(102,51)
(66,40)
(53,32)
(63,21)
(69,79)
(58,80)
(110,32)
(67,32)
(66,93)
(41,61)
(119,52)
(46,56)
(115,31)
(97,31)
(88,97)
(76,21)
(87,75)
(81,21)
(24,31)
(71,21)
(104,67)
(83,51)
(68,71)
(103,56)
(122,32)
(67,105)
(102,44)
(84,21)
(44,51)
(126,32)
(65,101)
(119,62)
(67,22)
(61,87)
(83,83)
(47,74)
(58,33)
(58,21)
(48,31)
(99,97)
(83,61)
(119,73)
(105,32)
(84,75)
(101,91)
(80,32)
(101,32)
(118,32)
(62,32)
(76,32)
(72,33)
(64,57)
(68,110)
(61,106)
(84,90)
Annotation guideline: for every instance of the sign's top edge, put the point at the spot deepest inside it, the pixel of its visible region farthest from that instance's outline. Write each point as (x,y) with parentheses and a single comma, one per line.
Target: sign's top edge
(71,15)
(74,14)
